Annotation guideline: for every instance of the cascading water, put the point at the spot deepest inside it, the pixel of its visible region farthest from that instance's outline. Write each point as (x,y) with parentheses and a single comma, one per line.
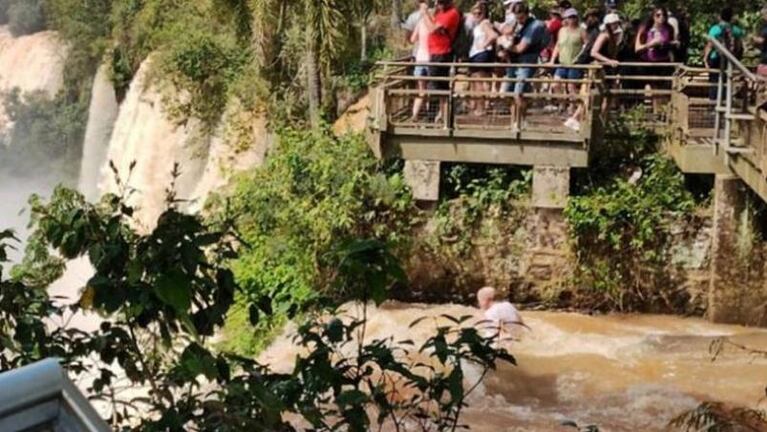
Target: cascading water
(622,372)
(102,115)
(144,136)
(31,63)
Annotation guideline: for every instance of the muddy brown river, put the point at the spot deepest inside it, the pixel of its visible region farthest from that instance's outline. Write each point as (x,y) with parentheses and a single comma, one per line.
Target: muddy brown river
(620,372)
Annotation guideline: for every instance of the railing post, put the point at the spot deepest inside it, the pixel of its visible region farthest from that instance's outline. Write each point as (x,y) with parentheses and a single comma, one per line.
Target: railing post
(717,107)
(449,116)
(728,114)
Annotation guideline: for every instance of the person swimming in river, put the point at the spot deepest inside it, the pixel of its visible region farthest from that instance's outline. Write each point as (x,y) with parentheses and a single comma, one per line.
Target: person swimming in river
(500,316)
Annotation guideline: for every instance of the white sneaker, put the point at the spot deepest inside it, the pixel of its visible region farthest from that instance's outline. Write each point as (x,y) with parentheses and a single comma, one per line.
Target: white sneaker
(573,124)
(550,108)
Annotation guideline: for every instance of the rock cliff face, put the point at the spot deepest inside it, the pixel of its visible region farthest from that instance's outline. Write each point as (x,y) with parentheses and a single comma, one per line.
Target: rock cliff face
(530,258)
(30,63)
(144,147)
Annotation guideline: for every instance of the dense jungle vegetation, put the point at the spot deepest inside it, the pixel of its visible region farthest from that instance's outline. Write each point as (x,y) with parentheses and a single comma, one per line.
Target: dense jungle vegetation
(322,222)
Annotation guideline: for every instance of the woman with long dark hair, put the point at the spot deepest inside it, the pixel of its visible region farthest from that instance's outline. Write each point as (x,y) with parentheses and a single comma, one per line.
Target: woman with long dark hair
(655,42)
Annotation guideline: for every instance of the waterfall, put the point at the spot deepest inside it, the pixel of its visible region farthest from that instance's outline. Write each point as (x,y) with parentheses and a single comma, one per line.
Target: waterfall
(102,114)
(30,63)
(143,135)
(33,62)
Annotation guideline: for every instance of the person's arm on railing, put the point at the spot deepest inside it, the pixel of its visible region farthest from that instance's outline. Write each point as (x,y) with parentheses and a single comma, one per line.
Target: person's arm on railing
(597,55)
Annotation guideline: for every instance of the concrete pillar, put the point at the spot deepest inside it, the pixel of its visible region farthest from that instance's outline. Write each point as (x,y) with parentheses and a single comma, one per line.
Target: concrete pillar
(548,260)
(551,187)
(728,289)
(423,179)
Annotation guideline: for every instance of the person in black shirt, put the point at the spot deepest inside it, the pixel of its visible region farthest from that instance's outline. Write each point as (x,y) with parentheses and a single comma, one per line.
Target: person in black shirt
(761,41)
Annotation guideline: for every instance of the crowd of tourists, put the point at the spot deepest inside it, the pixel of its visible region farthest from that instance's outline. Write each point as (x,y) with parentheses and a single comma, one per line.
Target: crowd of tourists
(566,40)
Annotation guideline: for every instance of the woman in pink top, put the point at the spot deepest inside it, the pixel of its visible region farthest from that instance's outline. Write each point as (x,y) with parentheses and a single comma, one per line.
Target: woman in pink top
(655,43)
(420,38)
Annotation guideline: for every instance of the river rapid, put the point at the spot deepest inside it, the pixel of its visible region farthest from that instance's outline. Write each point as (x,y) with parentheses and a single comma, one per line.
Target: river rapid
(620,372)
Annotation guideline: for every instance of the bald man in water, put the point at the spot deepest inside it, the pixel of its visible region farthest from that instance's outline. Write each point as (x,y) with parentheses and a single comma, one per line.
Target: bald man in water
(501,315)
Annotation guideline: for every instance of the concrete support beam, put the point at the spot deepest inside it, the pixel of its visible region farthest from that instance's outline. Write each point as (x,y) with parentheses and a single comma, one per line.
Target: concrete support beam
(548,261)
(728,300)
(423,179)
(551,187)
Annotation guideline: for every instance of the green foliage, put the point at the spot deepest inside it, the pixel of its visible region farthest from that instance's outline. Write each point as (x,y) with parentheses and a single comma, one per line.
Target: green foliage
(203,66)
(621,232)
(474,193)
(25,16)
(717,417)
(86,26)
(46,137)
(316,193)
(162,294)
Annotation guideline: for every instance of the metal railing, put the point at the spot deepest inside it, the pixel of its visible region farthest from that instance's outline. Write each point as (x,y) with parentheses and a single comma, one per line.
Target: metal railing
(640,93)
(739,120)
(475,100)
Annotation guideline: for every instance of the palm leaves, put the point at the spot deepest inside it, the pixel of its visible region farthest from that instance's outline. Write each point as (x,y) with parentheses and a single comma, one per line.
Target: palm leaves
(307,38)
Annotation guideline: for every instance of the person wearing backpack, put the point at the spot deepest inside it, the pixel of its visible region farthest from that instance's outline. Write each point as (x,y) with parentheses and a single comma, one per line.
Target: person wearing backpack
(443,28)
(731,36)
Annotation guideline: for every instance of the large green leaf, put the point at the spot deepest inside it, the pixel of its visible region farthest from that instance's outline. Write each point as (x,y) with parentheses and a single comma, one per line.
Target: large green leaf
(174,289)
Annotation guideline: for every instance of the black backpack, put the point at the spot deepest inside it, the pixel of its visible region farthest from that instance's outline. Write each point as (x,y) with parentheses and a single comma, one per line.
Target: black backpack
(463,40)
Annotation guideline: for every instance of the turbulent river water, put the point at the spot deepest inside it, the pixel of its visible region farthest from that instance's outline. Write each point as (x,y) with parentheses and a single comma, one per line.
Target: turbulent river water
(620,372)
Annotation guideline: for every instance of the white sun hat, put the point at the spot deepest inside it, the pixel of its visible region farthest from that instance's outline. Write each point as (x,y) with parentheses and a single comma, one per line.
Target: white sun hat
(570,13)
(611,18)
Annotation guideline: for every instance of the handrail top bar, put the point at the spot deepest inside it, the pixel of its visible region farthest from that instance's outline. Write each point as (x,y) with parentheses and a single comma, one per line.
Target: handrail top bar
(488,65)
(722,50)
(590,66)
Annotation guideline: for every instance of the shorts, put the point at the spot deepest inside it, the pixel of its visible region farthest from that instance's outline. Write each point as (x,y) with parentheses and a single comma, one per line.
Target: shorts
(663,71)
(482,57)
(440,71)
(521,73)
(568,73)
(420,71)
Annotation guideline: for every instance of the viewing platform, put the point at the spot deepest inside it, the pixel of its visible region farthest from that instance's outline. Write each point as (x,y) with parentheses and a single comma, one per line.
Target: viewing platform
(709,121)
(703,134)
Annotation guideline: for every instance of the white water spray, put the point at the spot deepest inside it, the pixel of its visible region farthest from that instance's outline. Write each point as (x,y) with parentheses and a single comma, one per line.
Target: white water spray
(102,115)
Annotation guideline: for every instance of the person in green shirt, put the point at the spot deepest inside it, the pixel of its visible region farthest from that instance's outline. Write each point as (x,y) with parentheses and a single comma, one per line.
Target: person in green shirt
(731,36)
